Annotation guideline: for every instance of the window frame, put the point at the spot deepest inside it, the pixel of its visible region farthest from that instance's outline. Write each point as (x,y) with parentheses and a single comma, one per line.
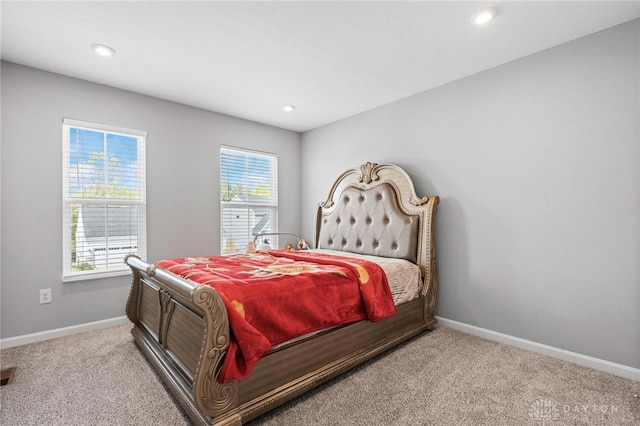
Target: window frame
(68,274)
(272,205)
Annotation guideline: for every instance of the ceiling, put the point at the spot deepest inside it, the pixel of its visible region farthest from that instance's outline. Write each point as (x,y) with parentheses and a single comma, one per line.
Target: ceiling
(331,60)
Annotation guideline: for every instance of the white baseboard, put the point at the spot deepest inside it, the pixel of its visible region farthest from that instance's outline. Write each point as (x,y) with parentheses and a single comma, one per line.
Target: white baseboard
(59,332)
(576,358)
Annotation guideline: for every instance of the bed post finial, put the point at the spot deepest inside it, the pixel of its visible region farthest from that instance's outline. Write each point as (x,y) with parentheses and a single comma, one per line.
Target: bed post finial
(368,172)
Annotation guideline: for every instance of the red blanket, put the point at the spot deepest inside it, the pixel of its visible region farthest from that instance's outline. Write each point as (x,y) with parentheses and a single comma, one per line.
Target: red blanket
(274,296)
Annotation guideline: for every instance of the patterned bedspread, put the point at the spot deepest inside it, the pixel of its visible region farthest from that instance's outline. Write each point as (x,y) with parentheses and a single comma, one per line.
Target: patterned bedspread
(274,296)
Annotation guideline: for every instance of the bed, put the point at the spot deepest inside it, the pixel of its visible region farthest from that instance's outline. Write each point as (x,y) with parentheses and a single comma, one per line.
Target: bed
(184,330)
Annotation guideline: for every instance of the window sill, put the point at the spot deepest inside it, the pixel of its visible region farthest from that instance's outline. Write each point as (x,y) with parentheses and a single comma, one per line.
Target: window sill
(95,276)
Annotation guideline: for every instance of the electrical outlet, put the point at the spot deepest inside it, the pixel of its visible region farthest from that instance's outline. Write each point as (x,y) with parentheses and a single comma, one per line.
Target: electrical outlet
(45,295)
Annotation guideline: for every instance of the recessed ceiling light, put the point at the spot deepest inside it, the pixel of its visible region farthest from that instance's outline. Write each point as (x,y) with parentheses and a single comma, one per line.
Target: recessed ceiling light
(289,108)
(485,15)
(102,49)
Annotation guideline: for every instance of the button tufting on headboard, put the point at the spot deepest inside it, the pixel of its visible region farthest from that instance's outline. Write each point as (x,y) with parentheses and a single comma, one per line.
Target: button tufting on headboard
(376,225)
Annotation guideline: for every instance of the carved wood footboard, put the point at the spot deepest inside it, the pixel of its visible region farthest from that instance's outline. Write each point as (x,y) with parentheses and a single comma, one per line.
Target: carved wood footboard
(183,329)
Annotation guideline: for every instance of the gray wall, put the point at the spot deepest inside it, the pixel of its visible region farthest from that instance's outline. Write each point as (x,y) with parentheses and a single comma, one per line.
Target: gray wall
(537,166)
(182,188)
(537,163)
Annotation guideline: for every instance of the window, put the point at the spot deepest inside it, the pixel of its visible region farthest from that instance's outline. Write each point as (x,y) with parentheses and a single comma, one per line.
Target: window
(248,197)
(104,198)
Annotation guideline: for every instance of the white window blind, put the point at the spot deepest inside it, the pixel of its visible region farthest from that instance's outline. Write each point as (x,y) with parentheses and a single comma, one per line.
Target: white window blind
(248,197)
(104,198)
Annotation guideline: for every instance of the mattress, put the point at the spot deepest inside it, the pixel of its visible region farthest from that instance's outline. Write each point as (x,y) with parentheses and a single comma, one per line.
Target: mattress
(403,276)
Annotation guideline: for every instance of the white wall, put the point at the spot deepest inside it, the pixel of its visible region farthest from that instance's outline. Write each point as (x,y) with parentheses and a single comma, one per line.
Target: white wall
(182,188)
(537,166)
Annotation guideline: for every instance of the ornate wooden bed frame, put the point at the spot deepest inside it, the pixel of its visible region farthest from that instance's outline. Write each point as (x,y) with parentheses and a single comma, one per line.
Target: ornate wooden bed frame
(182,327)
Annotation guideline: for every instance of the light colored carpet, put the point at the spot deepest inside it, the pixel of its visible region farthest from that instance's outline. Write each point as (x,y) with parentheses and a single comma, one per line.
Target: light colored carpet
(440,378)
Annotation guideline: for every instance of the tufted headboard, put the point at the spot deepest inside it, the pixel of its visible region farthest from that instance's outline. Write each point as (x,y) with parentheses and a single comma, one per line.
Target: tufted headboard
(375,210)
